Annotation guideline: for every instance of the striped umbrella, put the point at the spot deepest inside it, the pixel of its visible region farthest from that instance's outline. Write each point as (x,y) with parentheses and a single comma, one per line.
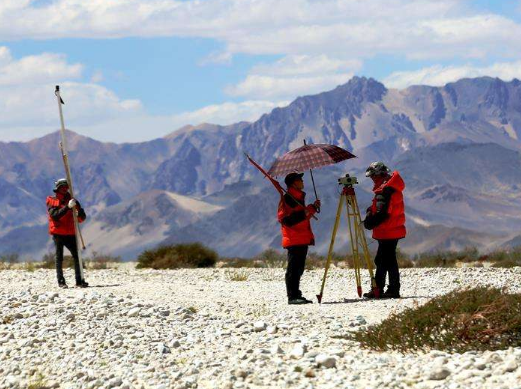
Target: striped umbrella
(309,157)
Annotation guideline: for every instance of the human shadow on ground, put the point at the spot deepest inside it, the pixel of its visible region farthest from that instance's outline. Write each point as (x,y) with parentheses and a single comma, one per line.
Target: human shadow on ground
(360,300)
(103,286)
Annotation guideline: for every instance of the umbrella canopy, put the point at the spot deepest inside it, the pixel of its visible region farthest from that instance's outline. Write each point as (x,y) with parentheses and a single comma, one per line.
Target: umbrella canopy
(309,157)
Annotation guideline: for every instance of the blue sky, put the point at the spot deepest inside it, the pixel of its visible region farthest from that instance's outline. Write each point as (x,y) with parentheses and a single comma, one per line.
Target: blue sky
(133,70)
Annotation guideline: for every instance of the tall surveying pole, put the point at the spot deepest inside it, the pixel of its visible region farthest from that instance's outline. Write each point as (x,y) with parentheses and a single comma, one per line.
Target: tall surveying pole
(63,148)
(359,247)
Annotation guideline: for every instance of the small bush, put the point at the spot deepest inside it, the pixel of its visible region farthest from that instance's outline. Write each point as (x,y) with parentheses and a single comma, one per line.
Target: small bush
(101,261)
(7,261)
(474,319)
(271,259)
(404,261)
(316,261)
(49,262)
(505,258)
(439,259)
(10,258)
(29,266)
(237,263)
(192,255)
(236,275)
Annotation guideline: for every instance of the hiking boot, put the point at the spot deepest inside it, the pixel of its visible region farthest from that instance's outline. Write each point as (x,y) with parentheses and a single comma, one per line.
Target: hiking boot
(371,295)
(391,294)
(307,301)
(299,301)
(62,285)
(82,284)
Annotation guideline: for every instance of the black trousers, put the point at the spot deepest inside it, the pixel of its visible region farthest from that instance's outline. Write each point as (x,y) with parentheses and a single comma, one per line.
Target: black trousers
(68,241)
(296,264)
(386,262)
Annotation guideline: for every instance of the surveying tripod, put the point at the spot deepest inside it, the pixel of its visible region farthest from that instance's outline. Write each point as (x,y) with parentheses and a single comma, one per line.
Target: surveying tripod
(356,232)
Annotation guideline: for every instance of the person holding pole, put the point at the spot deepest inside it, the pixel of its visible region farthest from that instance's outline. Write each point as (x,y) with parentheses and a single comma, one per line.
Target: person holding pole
(60,210)
(297,235)
(386,218)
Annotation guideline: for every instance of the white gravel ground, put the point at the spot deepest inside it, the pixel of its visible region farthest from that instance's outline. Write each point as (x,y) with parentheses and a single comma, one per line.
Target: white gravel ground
(226,328)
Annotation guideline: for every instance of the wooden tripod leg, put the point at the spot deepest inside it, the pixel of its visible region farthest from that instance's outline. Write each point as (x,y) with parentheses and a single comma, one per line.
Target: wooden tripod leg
(331,246)
(351,218)
(367,256)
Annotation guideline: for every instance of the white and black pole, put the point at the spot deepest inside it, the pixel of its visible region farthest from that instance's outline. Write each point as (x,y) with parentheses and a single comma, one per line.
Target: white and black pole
(80,245)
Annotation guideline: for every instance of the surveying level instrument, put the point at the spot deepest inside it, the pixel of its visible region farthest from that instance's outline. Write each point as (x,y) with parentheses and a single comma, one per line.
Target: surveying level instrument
(359,248)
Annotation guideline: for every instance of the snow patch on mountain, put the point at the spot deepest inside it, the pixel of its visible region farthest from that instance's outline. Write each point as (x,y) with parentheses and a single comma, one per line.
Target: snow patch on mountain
(194,205)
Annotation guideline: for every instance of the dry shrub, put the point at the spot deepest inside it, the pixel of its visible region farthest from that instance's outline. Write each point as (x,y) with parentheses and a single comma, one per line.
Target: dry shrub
(49,262)
(316,261)
(191,255)
(237,275)
(481,319)
(505,258)
(100,261)
(271,258)
(438,259)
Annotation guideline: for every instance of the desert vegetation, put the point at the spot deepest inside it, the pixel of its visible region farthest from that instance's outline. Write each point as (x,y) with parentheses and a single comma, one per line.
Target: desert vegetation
(481,318)
(192,255)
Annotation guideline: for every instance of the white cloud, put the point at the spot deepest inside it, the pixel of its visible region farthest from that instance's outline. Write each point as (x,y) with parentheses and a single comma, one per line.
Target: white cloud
(416,29)
(146,127)
(305,65)
(27,94)
(438,75)
(97,77)
(257,86)
(35,69)
(28,106)
(296,75)
(227,113)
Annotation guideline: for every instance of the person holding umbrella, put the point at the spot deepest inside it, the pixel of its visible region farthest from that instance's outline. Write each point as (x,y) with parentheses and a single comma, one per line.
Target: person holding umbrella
(386,218)
(294,217)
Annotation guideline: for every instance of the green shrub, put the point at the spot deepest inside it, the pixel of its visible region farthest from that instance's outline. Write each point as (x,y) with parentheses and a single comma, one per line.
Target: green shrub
(191,255)
(481,319)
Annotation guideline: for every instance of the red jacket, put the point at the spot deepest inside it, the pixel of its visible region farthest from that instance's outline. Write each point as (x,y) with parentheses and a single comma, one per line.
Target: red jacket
(295,225)
(393,227)
(61,221)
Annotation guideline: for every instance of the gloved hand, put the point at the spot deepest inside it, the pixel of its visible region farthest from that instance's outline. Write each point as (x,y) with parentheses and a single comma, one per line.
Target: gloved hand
(72,203)
(316,204)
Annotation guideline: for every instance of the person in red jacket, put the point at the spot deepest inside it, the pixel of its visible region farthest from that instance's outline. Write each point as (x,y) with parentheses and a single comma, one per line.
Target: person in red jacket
(386,218)
(297,235)
(61,228)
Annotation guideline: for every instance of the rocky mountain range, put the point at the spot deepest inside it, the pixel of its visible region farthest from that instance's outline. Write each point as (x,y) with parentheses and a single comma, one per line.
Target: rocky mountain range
(457,147)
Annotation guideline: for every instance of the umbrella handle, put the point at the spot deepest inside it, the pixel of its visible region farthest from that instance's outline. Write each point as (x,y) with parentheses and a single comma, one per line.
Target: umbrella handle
(313,181)
(314,188)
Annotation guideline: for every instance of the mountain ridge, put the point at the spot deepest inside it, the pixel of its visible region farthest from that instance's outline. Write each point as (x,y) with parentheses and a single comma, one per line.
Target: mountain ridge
(474,124)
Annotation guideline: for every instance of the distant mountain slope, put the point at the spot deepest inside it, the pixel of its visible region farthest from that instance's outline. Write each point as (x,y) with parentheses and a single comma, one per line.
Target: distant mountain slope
(457,147)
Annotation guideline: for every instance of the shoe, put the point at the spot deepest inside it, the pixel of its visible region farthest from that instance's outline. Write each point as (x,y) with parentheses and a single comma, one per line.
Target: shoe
(391,294)
(371,295)
(298,301)
(307,301)
(82,284)
(62,285)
